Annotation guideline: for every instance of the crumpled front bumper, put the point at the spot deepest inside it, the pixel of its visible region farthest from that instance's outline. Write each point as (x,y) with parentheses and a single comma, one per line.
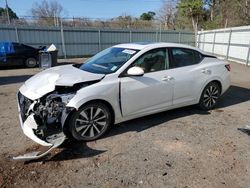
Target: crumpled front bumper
(28,126)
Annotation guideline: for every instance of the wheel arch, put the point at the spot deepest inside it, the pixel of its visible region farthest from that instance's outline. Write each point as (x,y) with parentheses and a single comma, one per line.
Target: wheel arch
(112,111)
(201,103)
(218,81)
(66,122)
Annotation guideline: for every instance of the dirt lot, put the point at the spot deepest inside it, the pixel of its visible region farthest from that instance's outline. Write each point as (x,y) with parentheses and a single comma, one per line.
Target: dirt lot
(179,148)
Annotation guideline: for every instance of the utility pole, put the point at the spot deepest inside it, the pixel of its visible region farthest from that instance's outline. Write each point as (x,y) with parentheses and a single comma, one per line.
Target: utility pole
(7,11)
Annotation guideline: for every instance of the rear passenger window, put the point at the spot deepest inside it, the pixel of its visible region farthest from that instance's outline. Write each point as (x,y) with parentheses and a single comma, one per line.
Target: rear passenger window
(184,57)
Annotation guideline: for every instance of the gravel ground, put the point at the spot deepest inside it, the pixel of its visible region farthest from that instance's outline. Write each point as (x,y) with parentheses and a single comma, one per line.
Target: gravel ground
(179,148)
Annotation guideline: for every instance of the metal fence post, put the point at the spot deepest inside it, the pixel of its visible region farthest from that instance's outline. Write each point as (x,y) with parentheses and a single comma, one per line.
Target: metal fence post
(229,42)
(214,42)
(160,34)
(99,40)
(17,37)
(63,42)
(156,36)
(179,37)
(197,42)
(204,39)
(248,55)
(130,36)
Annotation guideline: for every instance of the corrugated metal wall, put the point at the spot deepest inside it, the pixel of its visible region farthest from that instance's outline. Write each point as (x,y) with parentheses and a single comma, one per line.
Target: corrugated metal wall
(82,42)
(231,43)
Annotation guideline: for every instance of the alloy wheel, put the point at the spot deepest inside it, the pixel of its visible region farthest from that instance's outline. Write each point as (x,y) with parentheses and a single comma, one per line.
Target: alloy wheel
(91,122)
(211,96)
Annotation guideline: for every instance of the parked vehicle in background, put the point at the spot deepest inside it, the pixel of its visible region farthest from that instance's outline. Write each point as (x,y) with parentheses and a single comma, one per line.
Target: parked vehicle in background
(123,82)
(13,54)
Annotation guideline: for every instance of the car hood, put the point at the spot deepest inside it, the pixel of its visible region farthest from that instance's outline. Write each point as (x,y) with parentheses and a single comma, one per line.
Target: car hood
(46,81)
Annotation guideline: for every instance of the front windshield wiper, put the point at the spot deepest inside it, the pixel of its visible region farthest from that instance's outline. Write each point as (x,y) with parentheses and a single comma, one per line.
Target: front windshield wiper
(100,66)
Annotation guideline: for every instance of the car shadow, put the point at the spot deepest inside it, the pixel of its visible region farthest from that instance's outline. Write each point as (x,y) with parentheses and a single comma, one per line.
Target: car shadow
(12,67)
(235,95)
(5,80)
(69,150)
(147,122)
(73,150)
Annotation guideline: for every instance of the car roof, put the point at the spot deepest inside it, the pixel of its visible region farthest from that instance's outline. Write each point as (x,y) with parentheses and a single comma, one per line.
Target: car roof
(143,45)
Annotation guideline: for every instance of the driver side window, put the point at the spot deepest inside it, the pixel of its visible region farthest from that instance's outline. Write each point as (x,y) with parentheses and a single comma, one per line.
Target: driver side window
(154,60)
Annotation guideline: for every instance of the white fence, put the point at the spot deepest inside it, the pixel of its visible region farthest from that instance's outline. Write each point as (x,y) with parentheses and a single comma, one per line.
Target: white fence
(231,43)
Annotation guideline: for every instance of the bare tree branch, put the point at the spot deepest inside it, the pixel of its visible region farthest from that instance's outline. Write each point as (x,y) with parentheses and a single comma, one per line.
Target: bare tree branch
(47,12)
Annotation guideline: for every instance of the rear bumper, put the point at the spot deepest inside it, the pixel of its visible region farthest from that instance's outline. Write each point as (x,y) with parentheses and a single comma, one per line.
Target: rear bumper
(226,82)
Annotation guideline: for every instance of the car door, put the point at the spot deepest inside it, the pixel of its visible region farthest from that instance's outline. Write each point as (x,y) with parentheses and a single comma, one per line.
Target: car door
(187,74)
(16,58)
(29,51)
(150,92)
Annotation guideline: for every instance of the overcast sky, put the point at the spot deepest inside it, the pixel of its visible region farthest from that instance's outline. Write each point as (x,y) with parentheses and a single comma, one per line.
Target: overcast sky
(91,8)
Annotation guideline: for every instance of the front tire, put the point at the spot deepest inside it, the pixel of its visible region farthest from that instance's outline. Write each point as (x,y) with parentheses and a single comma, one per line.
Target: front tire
(210,96)
(90,122)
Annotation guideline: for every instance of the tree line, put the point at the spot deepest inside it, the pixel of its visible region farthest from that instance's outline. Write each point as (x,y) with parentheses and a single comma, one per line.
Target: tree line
(173,14)
(205,14)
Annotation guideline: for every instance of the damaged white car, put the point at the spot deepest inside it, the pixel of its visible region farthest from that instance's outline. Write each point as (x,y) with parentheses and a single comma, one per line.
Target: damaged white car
(120,83)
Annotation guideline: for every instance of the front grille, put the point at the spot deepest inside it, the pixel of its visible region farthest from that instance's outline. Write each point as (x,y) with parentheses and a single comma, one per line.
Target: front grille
(24,104)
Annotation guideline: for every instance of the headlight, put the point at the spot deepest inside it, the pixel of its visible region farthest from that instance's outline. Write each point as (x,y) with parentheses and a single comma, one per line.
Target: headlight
(65,98)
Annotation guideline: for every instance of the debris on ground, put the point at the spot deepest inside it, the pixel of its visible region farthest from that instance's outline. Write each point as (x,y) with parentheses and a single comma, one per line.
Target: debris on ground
(245,130)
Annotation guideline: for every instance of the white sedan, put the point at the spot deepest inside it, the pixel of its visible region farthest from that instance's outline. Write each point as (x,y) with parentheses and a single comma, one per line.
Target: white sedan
(123,82)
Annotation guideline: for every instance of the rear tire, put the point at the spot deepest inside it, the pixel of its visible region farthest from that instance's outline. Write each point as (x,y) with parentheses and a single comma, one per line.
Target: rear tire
(31,62)
(90,122)
(210,96)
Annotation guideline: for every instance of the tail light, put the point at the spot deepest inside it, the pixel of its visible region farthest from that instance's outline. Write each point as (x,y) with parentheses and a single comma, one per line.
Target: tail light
(228,67)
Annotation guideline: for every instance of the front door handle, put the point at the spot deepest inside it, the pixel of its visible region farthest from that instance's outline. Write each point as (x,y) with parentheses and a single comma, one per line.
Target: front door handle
(206,71)
(167,78)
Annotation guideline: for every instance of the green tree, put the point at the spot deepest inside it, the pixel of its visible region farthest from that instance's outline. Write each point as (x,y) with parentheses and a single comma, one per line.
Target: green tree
(226,13)
(147,16)
(191,9)
(12,14)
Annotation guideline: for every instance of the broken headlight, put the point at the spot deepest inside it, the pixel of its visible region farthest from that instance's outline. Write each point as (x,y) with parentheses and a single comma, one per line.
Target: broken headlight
(49,113)
(50,110)
(65,98)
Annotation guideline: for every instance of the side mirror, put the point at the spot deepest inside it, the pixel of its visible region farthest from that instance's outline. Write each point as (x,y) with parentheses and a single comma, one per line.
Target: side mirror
(135,71)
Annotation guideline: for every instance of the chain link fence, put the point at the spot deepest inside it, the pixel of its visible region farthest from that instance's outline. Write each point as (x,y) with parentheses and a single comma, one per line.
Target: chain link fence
(77,39)
(122,22)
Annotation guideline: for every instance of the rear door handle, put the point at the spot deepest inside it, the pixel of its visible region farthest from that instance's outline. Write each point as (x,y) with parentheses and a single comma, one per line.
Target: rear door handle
(167,78)
(206,71)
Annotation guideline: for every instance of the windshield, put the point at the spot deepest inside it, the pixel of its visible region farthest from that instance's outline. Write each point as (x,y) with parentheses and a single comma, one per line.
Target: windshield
(108,61)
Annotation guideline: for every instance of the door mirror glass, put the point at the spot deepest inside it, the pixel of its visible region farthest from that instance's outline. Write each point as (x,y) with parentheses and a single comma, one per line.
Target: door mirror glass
(135,71)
